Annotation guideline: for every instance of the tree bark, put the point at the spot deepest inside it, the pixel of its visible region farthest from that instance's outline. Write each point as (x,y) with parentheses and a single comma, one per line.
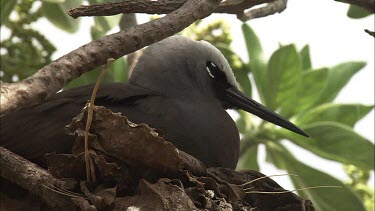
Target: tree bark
(32,178)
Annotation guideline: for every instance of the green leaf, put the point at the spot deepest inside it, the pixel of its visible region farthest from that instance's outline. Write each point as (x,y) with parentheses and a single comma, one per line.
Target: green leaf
(119,69)
(284,75)
(336,141)
(347,114)
(254,47)
(306,60)
(89,78)
(273,158)
(313,82)
(249,160)
(338,77)
(107,23)
(244,81)
(244,123)
(96,33)
(103,24)
(6,8)
(256,62)
(332,199)
(357,12)
(117,72)
(57,14)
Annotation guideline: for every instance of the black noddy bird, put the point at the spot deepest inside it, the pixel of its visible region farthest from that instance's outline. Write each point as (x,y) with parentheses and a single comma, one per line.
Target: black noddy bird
(180,86)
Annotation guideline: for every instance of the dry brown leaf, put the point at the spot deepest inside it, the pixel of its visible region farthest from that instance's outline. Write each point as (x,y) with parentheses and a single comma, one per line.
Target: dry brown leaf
(135,144)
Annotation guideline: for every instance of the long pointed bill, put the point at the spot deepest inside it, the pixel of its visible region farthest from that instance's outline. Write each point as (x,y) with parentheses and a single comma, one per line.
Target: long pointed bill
(238,99)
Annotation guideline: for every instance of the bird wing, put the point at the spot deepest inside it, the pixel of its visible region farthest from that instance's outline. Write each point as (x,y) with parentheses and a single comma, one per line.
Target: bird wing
(33,131)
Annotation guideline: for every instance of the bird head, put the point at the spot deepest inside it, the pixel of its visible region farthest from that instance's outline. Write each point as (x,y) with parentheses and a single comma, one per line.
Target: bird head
(181,67)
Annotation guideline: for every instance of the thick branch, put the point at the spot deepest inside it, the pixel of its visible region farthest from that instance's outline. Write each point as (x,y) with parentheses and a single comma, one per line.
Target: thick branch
(156,7)
(32,178)
(127,6)
(56,75)
(238,7)
(271,8)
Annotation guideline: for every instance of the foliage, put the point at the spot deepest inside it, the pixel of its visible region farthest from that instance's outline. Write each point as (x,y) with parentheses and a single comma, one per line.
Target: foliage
(357,12)
(55,12)
(26,50)
(358,180)
(287,82)
(118,71)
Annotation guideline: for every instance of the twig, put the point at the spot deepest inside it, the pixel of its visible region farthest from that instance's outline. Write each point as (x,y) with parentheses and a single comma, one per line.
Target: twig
(238,7)
(370,32)
(87,192)
(32,178)
(51,78)
(288,191)
(88,161)
(269,176)
(127,6)
(271,8)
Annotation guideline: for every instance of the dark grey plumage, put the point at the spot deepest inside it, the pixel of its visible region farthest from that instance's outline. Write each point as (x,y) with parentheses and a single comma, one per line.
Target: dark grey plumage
(179,86)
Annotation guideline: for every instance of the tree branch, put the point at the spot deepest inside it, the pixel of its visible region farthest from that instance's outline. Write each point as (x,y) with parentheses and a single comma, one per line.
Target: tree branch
(370,32)
(238,6)
(56,75)
(127,6)
(271,8)
(156,7)
(32,178)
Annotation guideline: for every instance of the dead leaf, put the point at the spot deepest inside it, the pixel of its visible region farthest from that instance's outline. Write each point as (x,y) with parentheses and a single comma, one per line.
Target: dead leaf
(66,166)
(83,204)
(127,141)
(152,174)
(161,196)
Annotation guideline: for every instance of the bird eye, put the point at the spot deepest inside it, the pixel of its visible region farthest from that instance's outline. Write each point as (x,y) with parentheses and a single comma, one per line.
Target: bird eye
(211,68)
(216,73)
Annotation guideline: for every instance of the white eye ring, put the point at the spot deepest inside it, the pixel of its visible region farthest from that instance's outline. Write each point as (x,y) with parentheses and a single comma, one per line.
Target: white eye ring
(209,71)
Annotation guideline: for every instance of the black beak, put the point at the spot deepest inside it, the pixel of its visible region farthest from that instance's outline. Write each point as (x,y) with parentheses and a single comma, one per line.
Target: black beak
(241,101)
